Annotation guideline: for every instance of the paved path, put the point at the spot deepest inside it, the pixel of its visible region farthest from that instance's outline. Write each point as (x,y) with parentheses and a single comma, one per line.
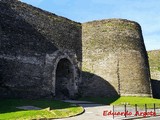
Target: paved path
(153,118)
(92,111)
(95,112)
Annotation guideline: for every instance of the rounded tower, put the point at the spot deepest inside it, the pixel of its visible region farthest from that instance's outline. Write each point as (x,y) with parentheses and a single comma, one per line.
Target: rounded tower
(114,51)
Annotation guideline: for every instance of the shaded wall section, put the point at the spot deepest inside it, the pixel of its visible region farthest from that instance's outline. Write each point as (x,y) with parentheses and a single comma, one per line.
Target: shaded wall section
(28,35)
(95,86)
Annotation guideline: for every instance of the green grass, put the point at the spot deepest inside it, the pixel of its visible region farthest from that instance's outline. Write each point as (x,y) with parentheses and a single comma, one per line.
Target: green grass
(8,110)
(140,101)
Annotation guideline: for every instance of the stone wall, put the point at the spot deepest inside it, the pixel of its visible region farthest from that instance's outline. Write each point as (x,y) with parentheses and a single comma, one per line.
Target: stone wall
(32,43)
(114,51)
(39,27)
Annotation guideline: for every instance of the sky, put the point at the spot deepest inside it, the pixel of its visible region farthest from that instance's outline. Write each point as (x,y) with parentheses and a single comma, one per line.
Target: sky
(145,12)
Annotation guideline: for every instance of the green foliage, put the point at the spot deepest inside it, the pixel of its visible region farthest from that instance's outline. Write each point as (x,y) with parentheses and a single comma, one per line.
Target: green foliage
(8,110)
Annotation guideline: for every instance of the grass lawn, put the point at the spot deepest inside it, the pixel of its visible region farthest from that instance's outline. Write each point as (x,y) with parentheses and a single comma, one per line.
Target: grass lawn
(140,101)
(8,110)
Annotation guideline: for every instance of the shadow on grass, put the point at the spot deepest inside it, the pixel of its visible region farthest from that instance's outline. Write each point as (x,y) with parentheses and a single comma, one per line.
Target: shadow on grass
(9,105)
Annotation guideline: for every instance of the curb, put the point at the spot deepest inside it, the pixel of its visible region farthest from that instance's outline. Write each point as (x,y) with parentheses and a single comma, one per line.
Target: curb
(71,115)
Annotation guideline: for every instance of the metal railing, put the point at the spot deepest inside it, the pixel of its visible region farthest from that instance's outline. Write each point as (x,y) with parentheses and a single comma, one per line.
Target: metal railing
(125,110)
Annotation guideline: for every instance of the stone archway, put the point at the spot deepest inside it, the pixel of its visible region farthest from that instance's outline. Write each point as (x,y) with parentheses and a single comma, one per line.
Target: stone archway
(64,79)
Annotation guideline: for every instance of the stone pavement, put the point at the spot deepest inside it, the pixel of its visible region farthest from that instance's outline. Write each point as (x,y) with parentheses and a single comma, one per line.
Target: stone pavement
(95,112)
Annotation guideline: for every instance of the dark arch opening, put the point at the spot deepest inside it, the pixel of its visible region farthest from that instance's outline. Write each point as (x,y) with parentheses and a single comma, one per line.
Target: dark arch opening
(64,79)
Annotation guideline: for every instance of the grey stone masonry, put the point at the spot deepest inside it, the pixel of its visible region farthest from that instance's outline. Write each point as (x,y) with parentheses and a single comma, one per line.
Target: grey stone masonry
(114,52)
(32,43)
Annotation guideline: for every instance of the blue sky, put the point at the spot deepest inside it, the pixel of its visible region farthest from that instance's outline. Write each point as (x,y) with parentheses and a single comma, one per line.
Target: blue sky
(145,12)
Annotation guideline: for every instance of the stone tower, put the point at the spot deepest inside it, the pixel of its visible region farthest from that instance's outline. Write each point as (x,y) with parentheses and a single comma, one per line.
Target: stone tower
(115,59)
